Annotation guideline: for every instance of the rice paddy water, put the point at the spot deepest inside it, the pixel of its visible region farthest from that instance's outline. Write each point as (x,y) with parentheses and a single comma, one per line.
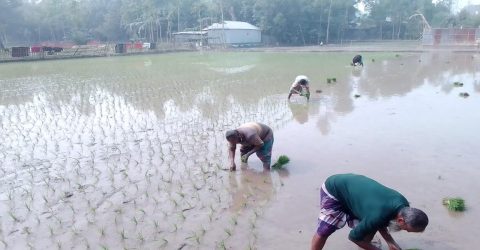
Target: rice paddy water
(129,152)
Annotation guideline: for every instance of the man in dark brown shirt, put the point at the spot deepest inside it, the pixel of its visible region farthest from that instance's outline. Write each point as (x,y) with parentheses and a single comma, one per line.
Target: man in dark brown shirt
(254,137)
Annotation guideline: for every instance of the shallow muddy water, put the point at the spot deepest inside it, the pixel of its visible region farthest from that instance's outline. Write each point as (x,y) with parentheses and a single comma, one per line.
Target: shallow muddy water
(129,152)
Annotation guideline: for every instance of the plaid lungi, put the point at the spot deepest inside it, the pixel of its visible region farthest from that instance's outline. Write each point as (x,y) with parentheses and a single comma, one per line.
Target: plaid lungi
(332,214)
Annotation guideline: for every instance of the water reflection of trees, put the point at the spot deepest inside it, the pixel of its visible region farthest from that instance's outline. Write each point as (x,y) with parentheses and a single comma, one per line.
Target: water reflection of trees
(400,76)
(396,76)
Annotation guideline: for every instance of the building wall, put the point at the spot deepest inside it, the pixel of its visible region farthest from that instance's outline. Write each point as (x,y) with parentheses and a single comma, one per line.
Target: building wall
(439,37)
(219,36)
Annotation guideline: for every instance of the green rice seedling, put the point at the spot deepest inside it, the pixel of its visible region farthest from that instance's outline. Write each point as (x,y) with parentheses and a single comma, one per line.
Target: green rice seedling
(281,161)
(141,238)
(329,80)
(28,207)
(4,243)
(253,225)
(234,221)
(356,95)
(90,222)
(182,216)
(15,218)
(75,231)
(222,245)
(60,222)
(210,217)
(135,221)
(228,231)
(164,243)
(334,79)
(464,94)
(123,235)
(454,204)
(27,231)
(197,239)
(203,231)
(45,199)
(458,84)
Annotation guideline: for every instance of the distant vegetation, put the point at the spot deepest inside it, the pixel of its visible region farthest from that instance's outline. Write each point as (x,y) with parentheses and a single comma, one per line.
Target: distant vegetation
(287,22)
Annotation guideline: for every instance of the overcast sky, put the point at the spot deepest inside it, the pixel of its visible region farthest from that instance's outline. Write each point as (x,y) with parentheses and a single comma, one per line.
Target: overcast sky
(463,3)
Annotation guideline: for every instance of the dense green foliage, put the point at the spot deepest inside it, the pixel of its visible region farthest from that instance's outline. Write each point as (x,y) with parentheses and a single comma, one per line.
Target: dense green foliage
(290,22)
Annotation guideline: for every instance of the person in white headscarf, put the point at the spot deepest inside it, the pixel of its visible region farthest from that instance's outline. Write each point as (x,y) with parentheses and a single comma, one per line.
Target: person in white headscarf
(300,87)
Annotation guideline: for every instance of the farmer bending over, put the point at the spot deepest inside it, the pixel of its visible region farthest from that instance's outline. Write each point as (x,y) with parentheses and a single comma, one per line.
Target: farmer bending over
(367,206)
(357,60)
(254,137)
(300,86)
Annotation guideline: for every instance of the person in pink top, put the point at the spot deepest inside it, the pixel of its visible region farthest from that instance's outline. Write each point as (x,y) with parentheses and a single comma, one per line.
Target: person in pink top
(254,137)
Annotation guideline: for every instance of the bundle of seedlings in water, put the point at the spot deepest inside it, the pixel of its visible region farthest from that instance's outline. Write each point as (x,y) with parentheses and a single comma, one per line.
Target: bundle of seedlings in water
(281,161)
(334,79)
(464,94)
(454,204)
(329,80)
(357,96)
(458,84)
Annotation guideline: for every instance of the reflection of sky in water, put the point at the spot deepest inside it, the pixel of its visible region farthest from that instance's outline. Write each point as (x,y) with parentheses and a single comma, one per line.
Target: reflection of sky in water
(380,81)
(234,70)
(168,116)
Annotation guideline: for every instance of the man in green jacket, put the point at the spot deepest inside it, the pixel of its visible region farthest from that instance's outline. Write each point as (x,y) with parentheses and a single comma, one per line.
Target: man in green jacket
(367,206)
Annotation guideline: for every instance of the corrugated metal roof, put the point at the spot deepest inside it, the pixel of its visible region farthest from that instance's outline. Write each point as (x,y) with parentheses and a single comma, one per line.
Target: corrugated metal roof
(190,33)
(232,25)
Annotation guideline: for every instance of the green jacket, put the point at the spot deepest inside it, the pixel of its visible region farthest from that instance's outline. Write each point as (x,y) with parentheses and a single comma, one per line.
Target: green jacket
(373,204)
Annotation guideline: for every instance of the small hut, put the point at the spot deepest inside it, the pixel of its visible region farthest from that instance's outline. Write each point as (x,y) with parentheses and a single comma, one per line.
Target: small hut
(233,33)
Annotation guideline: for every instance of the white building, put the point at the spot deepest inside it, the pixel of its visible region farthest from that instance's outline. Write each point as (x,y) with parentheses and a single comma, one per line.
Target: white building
(233,33)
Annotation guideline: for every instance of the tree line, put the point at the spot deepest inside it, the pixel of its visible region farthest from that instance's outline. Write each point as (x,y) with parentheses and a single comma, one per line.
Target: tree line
(286,22)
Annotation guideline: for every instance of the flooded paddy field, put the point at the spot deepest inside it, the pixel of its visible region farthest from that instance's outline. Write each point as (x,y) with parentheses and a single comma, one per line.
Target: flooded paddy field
(129,152)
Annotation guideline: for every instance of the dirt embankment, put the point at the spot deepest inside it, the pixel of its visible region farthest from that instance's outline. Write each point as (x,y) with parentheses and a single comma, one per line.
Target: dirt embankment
(396,46)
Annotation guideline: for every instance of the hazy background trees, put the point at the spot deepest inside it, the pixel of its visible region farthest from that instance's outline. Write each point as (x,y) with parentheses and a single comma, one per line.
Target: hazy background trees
(288,22)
